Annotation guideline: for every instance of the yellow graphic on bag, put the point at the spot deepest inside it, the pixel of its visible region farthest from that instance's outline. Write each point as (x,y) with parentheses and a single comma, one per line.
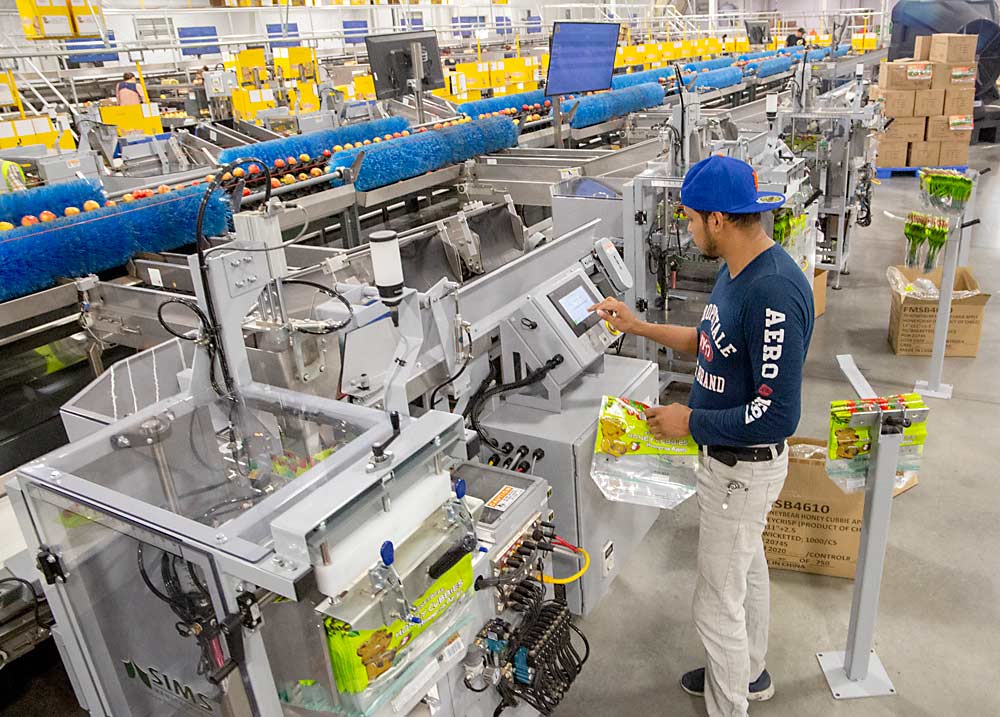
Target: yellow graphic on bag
(359,657)
(848,442)
(622,429)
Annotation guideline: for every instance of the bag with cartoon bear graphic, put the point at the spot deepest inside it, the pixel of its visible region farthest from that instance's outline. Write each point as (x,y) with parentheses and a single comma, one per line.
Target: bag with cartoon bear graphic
(630,466)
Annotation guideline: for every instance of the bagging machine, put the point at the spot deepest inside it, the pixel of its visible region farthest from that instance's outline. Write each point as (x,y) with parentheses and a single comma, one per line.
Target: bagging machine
(201,522)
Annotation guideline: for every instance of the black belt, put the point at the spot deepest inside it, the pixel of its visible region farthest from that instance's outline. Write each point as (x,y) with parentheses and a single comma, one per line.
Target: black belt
(731,455)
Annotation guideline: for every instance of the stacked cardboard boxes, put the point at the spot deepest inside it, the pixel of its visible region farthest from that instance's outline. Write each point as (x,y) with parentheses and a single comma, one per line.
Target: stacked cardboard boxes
(929,99)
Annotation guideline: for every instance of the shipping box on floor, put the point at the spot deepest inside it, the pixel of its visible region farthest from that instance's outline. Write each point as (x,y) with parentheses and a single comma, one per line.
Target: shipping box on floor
(898,103)
(912,320)
(924,154)
(954,153)
(906,75)
(891,153)
(928,103)
(814,527)
(940,129)
(956,74)
(957,100)
(922,47)
(949,47)
(819,291)
(906,129)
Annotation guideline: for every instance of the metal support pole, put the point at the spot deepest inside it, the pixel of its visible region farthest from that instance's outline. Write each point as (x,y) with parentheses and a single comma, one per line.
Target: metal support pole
(417,57)
(858,671)
(871,553)
(557,121)
(933,386)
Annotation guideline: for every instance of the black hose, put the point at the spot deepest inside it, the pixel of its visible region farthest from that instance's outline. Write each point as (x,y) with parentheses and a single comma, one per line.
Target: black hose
(332,293)
(451,379)
(208,335)
(35,599)
(200,241)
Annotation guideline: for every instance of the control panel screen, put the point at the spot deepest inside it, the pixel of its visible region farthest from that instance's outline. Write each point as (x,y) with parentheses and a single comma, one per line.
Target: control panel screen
(572,300)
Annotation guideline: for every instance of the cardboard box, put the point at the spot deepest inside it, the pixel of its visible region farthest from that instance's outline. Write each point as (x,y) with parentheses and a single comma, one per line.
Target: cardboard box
(954,154)
(906,129)
(949,47)
(922,47)
(911,320)
(898,103)
(819,291)
(814,527)
(891,153)
(905,75)
(924,154)
(947,75)
(927,103)
(958,100)
(939,130)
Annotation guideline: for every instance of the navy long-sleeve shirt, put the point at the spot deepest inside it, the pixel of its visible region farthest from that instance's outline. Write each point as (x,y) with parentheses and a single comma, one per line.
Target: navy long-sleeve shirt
(752,343)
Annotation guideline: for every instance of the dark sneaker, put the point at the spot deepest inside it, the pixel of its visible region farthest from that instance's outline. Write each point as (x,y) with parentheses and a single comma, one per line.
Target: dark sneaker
(693,682)
(761,689)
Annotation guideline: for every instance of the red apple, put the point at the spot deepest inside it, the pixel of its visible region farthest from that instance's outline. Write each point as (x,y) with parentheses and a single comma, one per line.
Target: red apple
(28,219)
(47,216)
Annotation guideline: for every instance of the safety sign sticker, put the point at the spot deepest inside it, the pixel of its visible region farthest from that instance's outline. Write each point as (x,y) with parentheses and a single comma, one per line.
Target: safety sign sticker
(504,498)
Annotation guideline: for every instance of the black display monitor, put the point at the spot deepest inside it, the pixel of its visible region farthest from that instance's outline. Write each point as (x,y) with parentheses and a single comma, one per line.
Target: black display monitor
(572,300)
(581,57)
(758,31)
(392,63)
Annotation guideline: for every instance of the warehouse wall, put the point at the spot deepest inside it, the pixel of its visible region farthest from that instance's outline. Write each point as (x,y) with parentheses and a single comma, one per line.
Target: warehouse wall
(121,16)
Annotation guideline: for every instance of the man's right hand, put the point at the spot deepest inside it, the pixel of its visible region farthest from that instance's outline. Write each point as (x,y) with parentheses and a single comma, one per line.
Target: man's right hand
(618,315)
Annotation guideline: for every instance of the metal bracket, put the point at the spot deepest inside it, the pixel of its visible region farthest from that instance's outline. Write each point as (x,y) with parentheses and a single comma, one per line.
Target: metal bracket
(50,565)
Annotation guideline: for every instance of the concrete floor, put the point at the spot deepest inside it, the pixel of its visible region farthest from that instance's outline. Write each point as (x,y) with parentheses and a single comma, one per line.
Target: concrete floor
(940,609)
(940,604)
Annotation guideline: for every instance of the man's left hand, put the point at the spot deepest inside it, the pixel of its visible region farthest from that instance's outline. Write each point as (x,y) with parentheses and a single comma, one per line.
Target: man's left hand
(669,421)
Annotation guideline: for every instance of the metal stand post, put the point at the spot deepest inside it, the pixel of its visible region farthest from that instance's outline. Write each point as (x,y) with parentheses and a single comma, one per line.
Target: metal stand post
(417,58)
(858,671)
(933,386)
(557,121)
(956,249)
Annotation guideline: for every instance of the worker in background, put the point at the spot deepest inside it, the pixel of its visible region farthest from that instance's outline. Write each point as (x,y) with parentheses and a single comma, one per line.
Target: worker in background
(796,38)
(199,76)
(128,91)
(751,345)
(13,177)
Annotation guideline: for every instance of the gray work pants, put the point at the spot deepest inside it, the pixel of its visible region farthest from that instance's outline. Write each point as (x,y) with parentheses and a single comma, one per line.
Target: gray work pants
(732,596)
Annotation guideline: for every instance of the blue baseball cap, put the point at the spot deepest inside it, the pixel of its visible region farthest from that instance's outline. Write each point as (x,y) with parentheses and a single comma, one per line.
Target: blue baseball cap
(725,184)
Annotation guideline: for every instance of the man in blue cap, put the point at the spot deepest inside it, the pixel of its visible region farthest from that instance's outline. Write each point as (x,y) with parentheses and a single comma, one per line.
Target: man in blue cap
(751,345)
